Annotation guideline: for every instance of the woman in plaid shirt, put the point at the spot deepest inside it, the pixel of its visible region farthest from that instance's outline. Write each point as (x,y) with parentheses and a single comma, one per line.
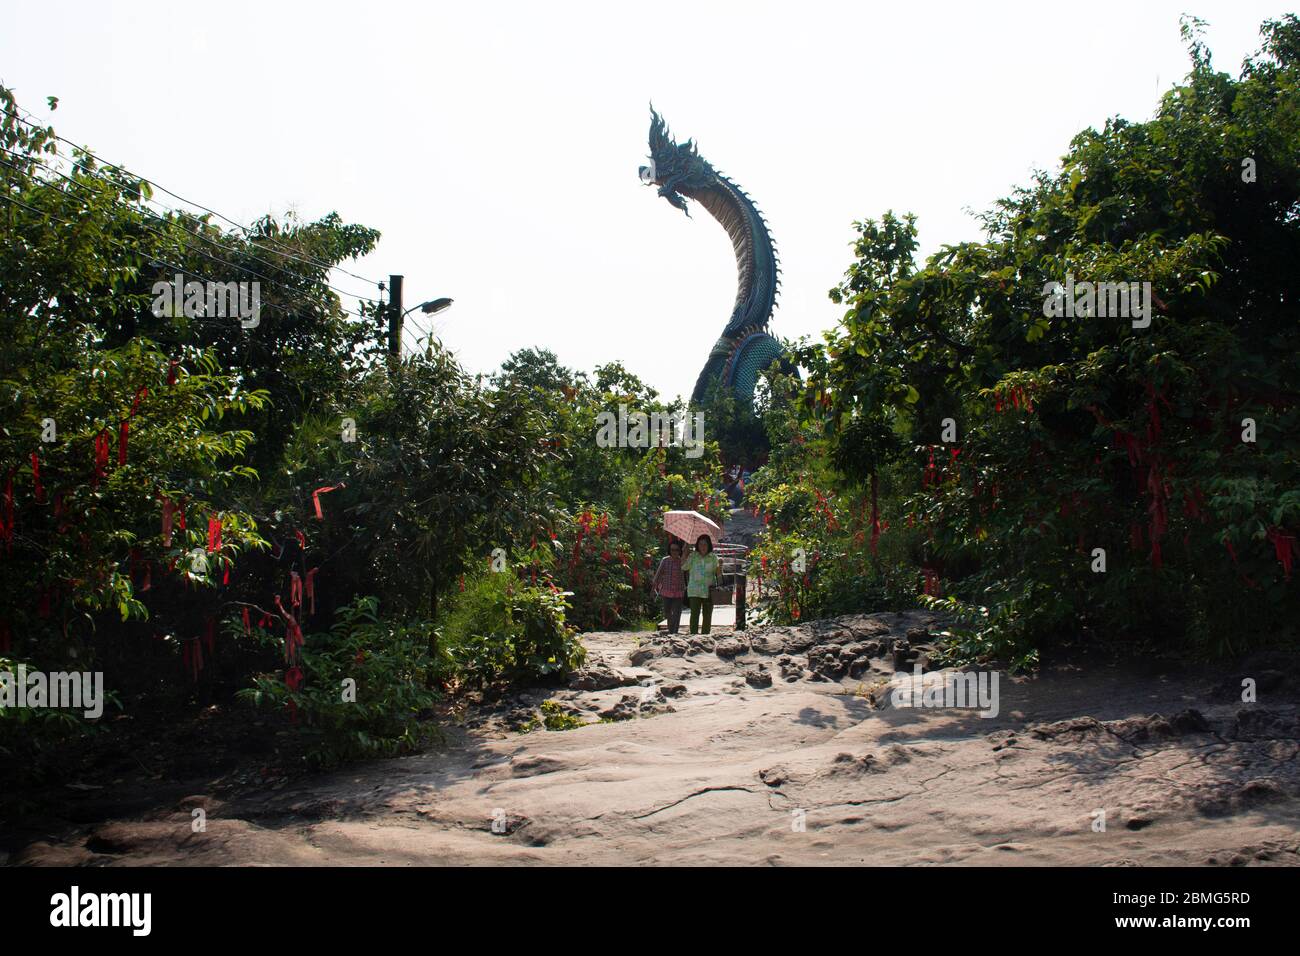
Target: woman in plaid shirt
(670,585)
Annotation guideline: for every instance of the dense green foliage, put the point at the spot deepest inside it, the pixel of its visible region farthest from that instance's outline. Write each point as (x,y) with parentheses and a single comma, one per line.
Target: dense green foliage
(606,536)
(500,628)
(211,488)
(360,689)
(1070,434)
(182,496)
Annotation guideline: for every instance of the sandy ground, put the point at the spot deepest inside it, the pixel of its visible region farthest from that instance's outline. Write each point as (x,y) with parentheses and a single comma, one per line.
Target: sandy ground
(779,746)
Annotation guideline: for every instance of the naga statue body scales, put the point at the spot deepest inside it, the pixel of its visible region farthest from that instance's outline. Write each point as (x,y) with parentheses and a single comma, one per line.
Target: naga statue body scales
(745,349)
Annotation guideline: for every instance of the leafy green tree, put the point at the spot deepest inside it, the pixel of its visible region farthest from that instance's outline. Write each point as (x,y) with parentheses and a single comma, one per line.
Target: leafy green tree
(1067,434)
(442,472)
(538,369)
(118,461)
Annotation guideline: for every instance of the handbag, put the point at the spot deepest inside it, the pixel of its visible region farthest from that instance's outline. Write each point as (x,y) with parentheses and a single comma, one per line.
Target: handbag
(721,595)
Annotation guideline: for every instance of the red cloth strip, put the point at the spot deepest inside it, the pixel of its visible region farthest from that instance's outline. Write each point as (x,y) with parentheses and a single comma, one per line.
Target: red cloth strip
(168,513)
(315,498)
(875,516)
(1283,545)
(36,479)
(101,456)
(7,513)
(293,639)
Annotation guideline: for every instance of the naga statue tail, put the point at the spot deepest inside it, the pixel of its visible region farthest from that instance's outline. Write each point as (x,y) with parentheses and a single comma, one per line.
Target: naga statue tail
(751,358)
(738,364)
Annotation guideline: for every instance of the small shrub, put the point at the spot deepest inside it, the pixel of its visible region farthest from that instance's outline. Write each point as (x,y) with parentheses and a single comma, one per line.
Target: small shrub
(363,689)
(555,717)
(501,629)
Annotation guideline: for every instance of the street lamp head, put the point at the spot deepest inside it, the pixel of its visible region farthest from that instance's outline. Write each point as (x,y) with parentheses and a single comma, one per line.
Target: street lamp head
(430,307)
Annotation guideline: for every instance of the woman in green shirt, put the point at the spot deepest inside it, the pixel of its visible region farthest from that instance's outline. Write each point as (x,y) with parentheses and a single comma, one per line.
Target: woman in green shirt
(702,570)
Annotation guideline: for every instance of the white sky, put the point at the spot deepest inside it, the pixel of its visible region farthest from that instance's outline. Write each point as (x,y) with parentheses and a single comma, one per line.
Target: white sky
(496,145)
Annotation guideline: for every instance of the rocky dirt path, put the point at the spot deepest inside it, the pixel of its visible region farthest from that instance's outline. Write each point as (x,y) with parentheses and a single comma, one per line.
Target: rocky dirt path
(780,746)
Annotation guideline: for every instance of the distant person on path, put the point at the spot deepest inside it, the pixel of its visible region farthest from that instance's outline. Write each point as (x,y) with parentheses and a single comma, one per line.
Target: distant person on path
(732,486)
(670,584)
(703,570)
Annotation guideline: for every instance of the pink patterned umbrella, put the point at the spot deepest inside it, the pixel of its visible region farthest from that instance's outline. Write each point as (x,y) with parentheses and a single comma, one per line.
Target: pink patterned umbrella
(689,525)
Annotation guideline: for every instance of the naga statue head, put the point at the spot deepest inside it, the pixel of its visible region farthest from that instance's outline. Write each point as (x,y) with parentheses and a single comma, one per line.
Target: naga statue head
(674,167)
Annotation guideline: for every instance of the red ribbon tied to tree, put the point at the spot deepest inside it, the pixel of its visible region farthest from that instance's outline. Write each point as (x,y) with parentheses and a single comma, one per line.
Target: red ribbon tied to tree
(294,679)
(875,516)
(214,534)
(7,513)
(315,498)
(192,657)
(1232,553)
(36,479)
(293,639)
(101,456)
(124,429)
(931,474)
(1283,546)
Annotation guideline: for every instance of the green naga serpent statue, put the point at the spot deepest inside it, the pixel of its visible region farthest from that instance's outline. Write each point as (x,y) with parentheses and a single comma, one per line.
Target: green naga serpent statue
(745,350)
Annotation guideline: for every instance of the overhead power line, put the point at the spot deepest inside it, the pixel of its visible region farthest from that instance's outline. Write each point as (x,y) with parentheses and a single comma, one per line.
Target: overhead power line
(262,243)
(280,249)
(122,245)
(25,157)
(178,235)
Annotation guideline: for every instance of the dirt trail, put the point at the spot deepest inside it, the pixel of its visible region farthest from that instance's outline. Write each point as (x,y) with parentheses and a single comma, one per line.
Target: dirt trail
(714,750)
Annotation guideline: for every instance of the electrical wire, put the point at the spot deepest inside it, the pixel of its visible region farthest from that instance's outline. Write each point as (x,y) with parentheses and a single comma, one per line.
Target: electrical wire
(173,222)
(288,251)
(176,237)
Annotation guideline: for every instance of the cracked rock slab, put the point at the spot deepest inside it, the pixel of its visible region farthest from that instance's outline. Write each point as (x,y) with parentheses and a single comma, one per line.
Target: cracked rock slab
(813,767)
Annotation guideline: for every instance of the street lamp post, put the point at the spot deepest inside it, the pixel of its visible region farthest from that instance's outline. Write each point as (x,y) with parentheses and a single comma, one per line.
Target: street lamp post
(396,315)
(432,307)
